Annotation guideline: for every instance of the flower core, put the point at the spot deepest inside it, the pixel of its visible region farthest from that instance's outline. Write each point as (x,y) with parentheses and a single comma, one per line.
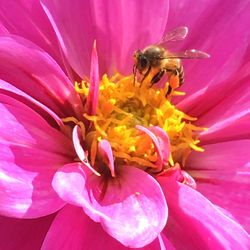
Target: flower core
(122,106)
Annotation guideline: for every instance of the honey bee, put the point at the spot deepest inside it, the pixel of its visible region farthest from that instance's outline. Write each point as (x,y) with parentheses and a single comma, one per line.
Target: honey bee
(158,61)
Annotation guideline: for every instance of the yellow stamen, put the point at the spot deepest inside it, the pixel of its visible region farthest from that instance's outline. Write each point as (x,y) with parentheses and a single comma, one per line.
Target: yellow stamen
(82,88)
(121,106)
(75,121)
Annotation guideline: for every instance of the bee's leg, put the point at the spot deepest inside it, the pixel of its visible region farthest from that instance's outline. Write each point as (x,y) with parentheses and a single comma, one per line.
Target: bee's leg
(156,78)
(146,74)
(134,72)
(172,75)
(169,91)
(174,79)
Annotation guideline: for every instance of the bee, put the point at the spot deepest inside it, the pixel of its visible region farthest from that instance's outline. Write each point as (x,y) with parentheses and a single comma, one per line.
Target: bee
(158,61)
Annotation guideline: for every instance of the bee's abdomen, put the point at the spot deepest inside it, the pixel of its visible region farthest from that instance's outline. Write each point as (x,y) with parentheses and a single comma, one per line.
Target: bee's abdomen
(181,74)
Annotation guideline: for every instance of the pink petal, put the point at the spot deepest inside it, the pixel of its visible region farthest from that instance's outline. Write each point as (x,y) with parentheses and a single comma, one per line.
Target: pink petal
(27,19)
(208,97)
(230,119)
(163,142)
(76,137)
(81,232)
(31,151)
(25,234)
(222,175)
(92,99)
(119,27)
(132,210)
(165,244)
(159,162)
(219,28)
(44,111)
(30,129)
(3,30)
(106,154)
(195,223)
(34,72)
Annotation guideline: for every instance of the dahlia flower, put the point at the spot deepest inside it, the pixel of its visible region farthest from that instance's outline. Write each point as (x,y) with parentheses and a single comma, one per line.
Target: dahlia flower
(91,158)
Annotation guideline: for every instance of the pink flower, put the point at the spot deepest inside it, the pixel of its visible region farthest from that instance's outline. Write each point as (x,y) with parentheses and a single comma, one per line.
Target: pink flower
(62,170)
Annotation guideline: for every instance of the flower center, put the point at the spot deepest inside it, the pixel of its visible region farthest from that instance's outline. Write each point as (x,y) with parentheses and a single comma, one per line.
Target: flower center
(122,106)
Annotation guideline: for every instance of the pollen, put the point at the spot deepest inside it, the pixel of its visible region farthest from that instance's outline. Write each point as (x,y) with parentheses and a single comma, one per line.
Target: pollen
(123,105)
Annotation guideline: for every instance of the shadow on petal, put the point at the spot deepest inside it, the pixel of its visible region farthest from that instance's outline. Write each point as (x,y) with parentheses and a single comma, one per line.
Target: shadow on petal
(133,209)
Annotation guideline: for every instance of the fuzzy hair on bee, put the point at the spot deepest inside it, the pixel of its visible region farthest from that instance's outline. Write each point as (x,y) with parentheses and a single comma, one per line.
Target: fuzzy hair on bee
(159,60)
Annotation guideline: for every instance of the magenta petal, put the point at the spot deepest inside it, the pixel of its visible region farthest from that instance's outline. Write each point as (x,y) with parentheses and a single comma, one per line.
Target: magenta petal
(81,233)
(69,183)
(194,222)
(135,205)
(25,234)
(92,99)
(79,150)
(34,72)
(222,175)
(77,144)
(119,27)
(105,152)
(3,30)
(159,162)
(132,209)
(30,153)
(230,118)
(219,93)
(30,129)
(44,111)
(165,243)
(27,19)
(163,142)
(219,28)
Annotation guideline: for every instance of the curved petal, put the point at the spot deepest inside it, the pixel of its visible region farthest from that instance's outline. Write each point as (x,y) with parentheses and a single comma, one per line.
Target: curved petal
(218,28)
(45,112)
(156,142)
(119,27)
(163,142)
(92,99)
(230,119)
(27,19)
(222,175)
(3,30)
(31,151)
(165,244)
(25,234)
(208,97)
(76,137)
(105,152)
(81,233)
(131,207)
(34,72)
(195,223)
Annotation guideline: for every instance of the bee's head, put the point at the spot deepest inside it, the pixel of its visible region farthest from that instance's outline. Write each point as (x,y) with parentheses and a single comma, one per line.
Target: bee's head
(141,61)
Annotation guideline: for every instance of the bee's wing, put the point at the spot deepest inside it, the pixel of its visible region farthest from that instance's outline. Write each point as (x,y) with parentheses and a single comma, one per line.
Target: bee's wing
(177,34)
(189,54)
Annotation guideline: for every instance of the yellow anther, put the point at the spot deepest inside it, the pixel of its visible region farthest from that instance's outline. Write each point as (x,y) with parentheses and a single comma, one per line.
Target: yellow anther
(171,161)
(121,106)
(81,88)
(196,148)
(79,123)
(112,101)
(179,93)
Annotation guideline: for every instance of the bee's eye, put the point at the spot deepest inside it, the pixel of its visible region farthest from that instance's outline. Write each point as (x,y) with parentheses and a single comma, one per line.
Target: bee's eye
(143,62)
